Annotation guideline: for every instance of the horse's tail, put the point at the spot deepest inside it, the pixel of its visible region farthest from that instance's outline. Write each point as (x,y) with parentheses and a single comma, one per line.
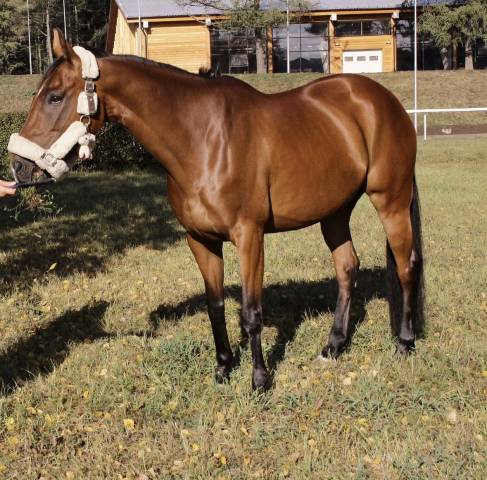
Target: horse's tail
(394,287)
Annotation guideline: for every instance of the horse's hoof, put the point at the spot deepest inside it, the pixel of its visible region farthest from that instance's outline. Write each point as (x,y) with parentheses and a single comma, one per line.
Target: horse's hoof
(404,349)
(222,374)
(325,360)
(261,381)
(332,351)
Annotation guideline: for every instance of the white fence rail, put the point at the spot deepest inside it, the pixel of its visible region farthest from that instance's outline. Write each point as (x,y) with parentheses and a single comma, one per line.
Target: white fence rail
(425,112)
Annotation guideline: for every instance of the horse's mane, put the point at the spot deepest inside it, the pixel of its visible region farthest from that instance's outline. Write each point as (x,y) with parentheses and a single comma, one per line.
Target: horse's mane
(99,53)
(203,72)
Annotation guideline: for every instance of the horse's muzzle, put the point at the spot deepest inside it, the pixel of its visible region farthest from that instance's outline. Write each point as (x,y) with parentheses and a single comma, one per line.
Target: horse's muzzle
(25,171)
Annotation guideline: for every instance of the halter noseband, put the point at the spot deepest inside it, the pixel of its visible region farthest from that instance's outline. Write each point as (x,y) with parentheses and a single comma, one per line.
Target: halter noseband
(51,160)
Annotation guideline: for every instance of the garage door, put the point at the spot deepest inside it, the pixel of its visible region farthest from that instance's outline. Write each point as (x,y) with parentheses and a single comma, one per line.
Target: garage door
(362,61)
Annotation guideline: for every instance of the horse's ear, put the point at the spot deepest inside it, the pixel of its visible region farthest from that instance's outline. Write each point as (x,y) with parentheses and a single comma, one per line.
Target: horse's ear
(60,47)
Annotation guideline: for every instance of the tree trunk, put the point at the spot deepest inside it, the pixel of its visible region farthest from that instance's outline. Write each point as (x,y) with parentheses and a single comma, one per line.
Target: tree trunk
(260,44)
(48,37)
(76,22)
(260,52)
(39,56)
(468,55)
(455,56)
(445,58)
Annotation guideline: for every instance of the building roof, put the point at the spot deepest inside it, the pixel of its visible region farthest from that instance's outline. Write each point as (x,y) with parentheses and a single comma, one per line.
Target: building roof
(171,8)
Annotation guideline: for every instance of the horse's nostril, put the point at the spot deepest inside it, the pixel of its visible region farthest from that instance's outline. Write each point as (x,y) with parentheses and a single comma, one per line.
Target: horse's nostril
(17,166)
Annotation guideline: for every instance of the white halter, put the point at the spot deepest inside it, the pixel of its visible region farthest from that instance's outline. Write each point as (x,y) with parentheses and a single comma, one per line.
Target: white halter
(51,160)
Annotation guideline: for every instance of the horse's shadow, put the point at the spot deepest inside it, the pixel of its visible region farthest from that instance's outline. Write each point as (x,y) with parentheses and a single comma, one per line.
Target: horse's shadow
(285,307)
(49,346)
(102,216)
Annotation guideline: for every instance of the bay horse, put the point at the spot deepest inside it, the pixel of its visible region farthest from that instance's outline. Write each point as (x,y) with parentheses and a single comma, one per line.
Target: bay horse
(241,163)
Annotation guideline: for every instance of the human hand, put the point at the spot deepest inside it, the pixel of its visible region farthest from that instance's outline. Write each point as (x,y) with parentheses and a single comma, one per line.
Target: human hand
(7,188)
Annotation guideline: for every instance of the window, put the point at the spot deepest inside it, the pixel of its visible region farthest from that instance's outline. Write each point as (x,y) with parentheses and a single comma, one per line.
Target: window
(233,51)
(429,55)
(308,47)
(480,54)
(353,28)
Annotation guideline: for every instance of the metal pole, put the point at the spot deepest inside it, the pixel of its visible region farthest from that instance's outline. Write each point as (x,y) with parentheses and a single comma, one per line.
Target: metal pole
(64,14)
(288,59)
(30,45)
(139,33)
(415,64)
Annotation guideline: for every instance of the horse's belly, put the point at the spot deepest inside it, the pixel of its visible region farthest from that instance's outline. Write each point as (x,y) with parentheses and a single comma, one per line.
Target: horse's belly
(304,196)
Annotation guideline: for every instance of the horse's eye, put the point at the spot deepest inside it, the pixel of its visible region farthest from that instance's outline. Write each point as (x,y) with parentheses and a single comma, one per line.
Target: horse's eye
(55,99)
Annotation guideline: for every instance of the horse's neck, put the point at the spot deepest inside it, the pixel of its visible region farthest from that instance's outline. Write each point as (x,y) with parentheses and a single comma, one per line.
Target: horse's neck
(157,105)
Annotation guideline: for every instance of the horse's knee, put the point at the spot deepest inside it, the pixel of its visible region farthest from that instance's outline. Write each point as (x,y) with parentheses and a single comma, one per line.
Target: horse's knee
(407,272)
(347,270)
(252,321)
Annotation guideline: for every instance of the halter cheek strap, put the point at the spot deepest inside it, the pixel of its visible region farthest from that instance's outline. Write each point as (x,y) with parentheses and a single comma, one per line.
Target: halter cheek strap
(51,160)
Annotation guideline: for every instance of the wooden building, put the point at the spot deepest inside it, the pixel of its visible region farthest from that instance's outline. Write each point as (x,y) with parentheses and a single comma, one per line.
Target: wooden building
(335,36)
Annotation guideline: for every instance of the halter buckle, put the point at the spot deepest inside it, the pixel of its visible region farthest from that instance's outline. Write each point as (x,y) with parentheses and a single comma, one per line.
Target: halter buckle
(85,120)
(49,158)
(89,85)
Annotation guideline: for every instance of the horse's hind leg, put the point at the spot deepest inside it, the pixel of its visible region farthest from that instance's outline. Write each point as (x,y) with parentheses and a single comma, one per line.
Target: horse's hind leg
(336,232)
(405,300)
(209,257)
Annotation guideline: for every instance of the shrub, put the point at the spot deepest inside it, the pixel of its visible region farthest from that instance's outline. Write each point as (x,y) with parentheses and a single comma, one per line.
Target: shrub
(9,123)
(116,148)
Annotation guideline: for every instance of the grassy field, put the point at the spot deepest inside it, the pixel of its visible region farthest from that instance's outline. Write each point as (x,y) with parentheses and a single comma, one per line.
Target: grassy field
(437,89)
(107,352)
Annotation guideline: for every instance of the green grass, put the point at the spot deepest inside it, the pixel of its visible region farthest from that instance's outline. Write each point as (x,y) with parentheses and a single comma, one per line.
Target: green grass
(437,89)
(16,92)
(103,324)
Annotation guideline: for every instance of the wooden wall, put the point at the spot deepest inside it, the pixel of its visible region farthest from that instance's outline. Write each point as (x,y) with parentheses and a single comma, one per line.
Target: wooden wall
(124,38)
(185,45)
(373,42)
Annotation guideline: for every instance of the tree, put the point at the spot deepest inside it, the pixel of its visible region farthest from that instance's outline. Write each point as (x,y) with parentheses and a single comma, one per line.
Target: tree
(12,47)
(252,14)
(460,25)
(86,22)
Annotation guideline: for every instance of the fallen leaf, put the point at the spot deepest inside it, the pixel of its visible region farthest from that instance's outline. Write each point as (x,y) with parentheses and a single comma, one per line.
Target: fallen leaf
(10,424)
(13,440)
(452,416)
(128,423)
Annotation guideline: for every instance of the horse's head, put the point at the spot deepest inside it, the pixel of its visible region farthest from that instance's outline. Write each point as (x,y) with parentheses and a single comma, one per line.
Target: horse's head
(49,142)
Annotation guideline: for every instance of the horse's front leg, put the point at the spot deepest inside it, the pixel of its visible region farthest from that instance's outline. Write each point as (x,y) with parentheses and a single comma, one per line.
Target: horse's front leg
(208,255)
(250,245)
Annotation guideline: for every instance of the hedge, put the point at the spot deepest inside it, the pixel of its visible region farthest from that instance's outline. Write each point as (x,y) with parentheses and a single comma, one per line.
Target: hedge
(115,147)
